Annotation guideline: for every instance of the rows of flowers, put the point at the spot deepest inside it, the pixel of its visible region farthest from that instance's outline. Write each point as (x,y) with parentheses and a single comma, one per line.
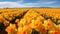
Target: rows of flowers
(30,22)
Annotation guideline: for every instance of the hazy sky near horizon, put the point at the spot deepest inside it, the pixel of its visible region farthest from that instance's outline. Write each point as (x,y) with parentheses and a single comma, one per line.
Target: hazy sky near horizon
(29,3)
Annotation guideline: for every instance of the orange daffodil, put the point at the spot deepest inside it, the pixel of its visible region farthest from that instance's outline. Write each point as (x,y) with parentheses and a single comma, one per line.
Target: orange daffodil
(35,23)
(48,24)
(11,29)
(23,27)
(24,30)
(54,32)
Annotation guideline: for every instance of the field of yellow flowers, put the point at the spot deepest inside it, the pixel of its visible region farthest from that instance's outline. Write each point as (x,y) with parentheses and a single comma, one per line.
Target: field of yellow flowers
(30,21)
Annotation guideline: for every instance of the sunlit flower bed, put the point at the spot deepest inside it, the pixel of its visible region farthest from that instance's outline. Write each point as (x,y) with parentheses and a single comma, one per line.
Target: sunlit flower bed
(30,22)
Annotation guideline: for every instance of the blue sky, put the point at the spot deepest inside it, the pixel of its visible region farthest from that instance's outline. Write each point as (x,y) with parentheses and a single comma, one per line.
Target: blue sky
(29,3)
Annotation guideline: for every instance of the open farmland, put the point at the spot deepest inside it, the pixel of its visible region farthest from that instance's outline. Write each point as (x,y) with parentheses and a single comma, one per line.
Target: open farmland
(30,21)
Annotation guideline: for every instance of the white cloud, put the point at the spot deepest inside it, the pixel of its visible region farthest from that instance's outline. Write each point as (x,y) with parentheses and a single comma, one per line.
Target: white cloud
(14,4)
(20,3)
(50,2)
(10,4)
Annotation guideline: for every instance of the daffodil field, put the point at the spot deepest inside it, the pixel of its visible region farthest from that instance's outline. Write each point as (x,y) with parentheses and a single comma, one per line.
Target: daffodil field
(30,21)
